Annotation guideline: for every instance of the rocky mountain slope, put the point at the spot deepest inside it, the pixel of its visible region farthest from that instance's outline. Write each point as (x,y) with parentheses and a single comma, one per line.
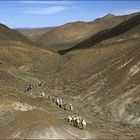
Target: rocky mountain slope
(128,25)
(7,35)
(103,79)
(100,76)
(18,55)
(34,33)
(67,35)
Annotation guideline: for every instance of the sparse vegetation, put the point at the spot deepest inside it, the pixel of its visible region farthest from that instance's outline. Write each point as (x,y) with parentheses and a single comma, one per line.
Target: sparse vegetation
(102,81)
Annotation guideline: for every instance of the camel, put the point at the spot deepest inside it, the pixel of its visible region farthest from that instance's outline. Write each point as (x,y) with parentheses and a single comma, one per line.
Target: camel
(77,122)
(71,107)
(57,101)
(53,99)
(34,86)
(65,106)
(28,88)
(39,83)
(43,94)
(83,122)
(69,119)
(60,103)
(31,86)
(73,119)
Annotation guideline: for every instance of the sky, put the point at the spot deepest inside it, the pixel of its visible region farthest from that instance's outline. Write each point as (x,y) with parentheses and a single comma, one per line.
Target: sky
(49,13)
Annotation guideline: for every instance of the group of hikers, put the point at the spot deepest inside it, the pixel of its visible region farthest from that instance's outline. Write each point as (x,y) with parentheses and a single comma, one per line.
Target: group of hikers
(30,87)
(58,101)
(77,121)
(73,120)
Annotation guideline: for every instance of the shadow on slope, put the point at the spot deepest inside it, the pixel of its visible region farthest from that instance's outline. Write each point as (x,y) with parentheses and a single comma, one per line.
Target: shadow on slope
(106,34)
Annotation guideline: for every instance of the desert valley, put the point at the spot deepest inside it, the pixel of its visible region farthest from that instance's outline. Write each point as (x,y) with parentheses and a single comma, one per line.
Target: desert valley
(94,66)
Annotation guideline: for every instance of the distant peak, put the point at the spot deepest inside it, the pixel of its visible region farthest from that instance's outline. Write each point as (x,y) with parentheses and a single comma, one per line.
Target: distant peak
(2,26)
(108,16)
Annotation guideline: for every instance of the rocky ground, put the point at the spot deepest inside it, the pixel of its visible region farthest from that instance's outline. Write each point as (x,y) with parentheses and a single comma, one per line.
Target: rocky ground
(102,82)
(36,117)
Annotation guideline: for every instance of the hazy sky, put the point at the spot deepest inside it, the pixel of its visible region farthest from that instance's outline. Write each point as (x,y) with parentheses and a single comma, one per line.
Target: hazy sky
(53,13)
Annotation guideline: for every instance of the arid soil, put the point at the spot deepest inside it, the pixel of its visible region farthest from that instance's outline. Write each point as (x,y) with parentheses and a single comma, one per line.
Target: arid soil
(31,117)
(68,35)
(102,82)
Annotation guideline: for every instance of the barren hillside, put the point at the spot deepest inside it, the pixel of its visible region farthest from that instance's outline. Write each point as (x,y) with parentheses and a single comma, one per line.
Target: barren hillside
(65,36)
(99,76)
(34,33)
(121,29)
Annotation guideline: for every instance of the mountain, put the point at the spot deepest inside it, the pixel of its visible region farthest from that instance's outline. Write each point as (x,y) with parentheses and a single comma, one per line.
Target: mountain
(70,34)
(105,79)
(109,33)
(32,33)
(99,76)
(22,63)
(7,34)
(106,17)
(18,53)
